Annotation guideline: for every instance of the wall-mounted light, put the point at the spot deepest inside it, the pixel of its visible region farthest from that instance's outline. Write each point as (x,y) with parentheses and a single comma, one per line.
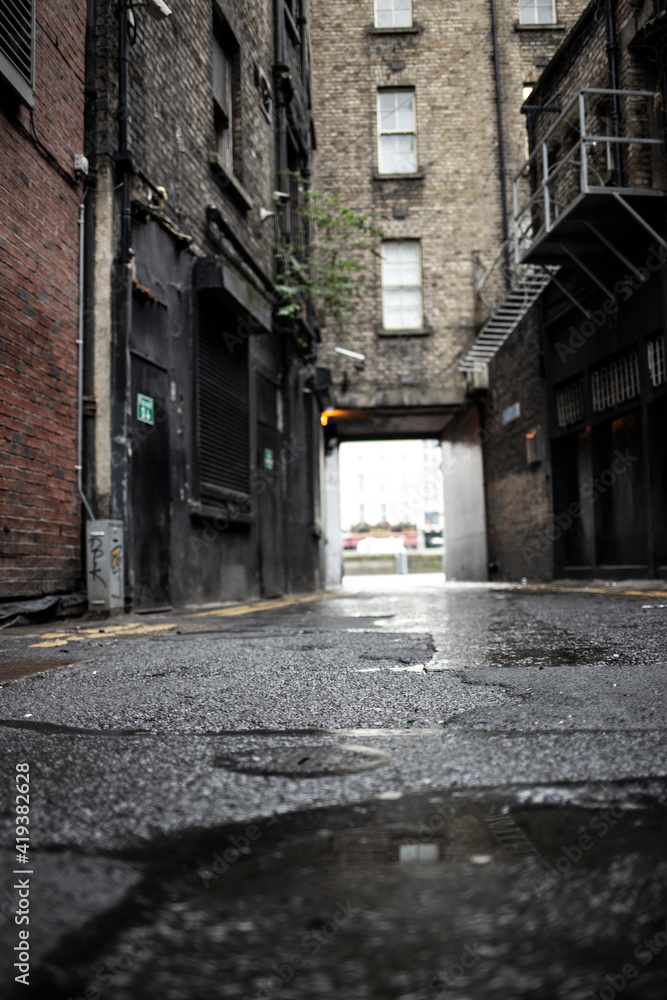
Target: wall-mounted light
(350,354)
(157,9)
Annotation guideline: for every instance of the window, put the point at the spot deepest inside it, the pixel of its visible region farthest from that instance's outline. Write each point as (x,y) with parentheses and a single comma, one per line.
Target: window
(393,13)
(17,47)
(397,147)
(537,12)
(223,103)
(401,285)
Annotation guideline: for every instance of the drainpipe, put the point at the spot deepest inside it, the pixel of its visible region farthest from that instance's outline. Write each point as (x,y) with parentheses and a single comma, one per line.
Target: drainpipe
(303,42)
(306,170)
(79,343)
(123,157)
(501,140)
(279,75)
(612,63)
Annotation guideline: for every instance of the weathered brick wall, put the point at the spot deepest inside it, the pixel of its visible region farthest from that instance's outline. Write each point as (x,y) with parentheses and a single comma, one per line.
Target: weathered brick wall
(455,207)
(40,520)
(518,495)
(519,506)
(171,125)
(582,60)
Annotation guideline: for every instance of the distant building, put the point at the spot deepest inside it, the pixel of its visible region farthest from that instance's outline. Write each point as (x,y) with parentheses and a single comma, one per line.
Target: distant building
(42,95)
(417,107)
(391,483)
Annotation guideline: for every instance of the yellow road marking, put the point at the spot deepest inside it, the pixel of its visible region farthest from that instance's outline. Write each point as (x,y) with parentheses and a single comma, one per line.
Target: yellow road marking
(246,609)
(53,639)
(133,628)
(613,591)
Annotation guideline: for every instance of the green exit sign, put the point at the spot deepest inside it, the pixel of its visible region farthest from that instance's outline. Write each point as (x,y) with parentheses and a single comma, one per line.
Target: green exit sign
(145,409)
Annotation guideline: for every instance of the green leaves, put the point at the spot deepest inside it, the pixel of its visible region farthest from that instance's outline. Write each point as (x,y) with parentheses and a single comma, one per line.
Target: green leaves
(331,274)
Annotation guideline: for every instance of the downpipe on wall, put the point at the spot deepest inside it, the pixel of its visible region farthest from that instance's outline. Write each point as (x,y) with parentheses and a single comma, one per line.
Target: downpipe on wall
(79,342)
(612,64)
(502,170)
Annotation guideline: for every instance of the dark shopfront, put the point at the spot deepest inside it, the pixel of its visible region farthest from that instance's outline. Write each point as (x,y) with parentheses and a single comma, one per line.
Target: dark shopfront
(608,417)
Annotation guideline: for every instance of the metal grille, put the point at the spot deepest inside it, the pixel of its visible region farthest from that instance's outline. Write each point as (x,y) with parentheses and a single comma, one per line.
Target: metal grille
(223,410)
(16,35)
(656,361)
(616,383)
(571,404)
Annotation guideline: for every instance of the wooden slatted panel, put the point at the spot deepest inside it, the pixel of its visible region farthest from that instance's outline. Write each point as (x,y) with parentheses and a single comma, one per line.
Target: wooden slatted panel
(223,417)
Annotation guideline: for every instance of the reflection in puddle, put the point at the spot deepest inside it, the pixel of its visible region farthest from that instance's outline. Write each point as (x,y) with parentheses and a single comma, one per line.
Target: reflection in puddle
(379,901)
(419,852)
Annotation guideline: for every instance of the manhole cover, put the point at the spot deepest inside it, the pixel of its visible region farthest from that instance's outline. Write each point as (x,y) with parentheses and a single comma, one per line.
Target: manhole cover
(306,761)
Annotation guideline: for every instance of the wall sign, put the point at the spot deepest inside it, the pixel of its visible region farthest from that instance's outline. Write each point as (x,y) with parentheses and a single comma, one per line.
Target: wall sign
(145,409)
(511,413)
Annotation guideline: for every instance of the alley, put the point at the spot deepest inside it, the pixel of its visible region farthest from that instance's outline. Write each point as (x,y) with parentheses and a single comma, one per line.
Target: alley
(406,789)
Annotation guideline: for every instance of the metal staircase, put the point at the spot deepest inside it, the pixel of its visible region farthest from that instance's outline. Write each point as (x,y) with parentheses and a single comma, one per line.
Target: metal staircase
(528,283)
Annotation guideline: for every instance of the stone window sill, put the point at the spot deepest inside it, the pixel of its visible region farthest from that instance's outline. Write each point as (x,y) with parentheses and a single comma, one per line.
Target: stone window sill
(228,182)
(538,27)
(414,29)
(418,176)
(423,332)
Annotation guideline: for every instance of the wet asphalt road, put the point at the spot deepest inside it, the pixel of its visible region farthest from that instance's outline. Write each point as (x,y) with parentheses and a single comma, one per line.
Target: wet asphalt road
(381,794)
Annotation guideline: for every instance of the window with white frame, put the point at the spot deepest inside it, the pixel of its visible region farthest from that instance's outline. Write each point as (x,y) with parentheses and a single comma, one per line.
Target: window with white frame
(397,140)
(537,12)
(393,13)
(401,285)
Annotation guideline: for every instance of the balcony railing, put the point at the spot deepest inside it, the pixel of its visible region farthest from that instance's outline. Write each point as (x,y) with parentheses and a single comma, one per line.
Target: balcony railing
(601,144)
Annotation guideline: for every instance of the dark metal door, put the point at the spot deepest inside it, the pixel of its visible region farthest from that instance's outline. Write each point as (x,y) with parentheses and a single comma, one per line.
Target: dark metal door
(268,479)
(149,486)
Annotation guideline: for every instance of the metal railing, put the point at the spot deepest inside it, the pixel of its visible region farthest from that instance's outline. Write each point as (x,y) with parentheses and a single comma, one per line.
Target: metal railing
(601,143)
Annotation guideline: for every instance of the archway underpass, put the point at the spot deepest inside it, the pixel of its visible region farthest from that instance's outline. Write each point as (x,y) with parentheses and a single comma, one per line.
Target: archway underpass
(460,484)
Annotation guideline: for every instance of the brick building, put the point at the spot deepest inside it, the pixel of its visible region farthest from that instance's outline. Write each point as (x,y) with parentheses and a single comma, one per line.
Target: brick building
(42,94)
(576,477)
(196,410)
(203,430)
(418,112)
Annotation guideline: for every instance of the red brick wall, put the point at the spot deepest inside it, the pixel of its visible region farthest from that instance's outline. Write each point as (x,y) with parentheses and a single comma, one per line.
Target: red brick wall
(40,513)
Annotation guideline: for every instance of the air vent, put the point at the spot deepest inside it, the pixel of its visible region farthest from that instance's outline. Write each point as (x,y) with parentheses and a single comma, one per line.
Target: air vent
(17,46)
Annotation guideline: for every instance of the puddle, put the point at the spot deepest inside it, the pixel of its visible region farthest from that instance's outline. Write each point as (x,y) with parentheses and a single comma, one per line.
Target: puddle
(28,666)
(409,898)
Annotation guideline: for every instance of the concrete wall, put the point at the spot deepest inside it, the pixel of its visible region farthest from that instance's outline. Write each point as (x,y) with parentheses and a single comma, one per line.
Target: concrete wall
(465,554)
(333,539)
